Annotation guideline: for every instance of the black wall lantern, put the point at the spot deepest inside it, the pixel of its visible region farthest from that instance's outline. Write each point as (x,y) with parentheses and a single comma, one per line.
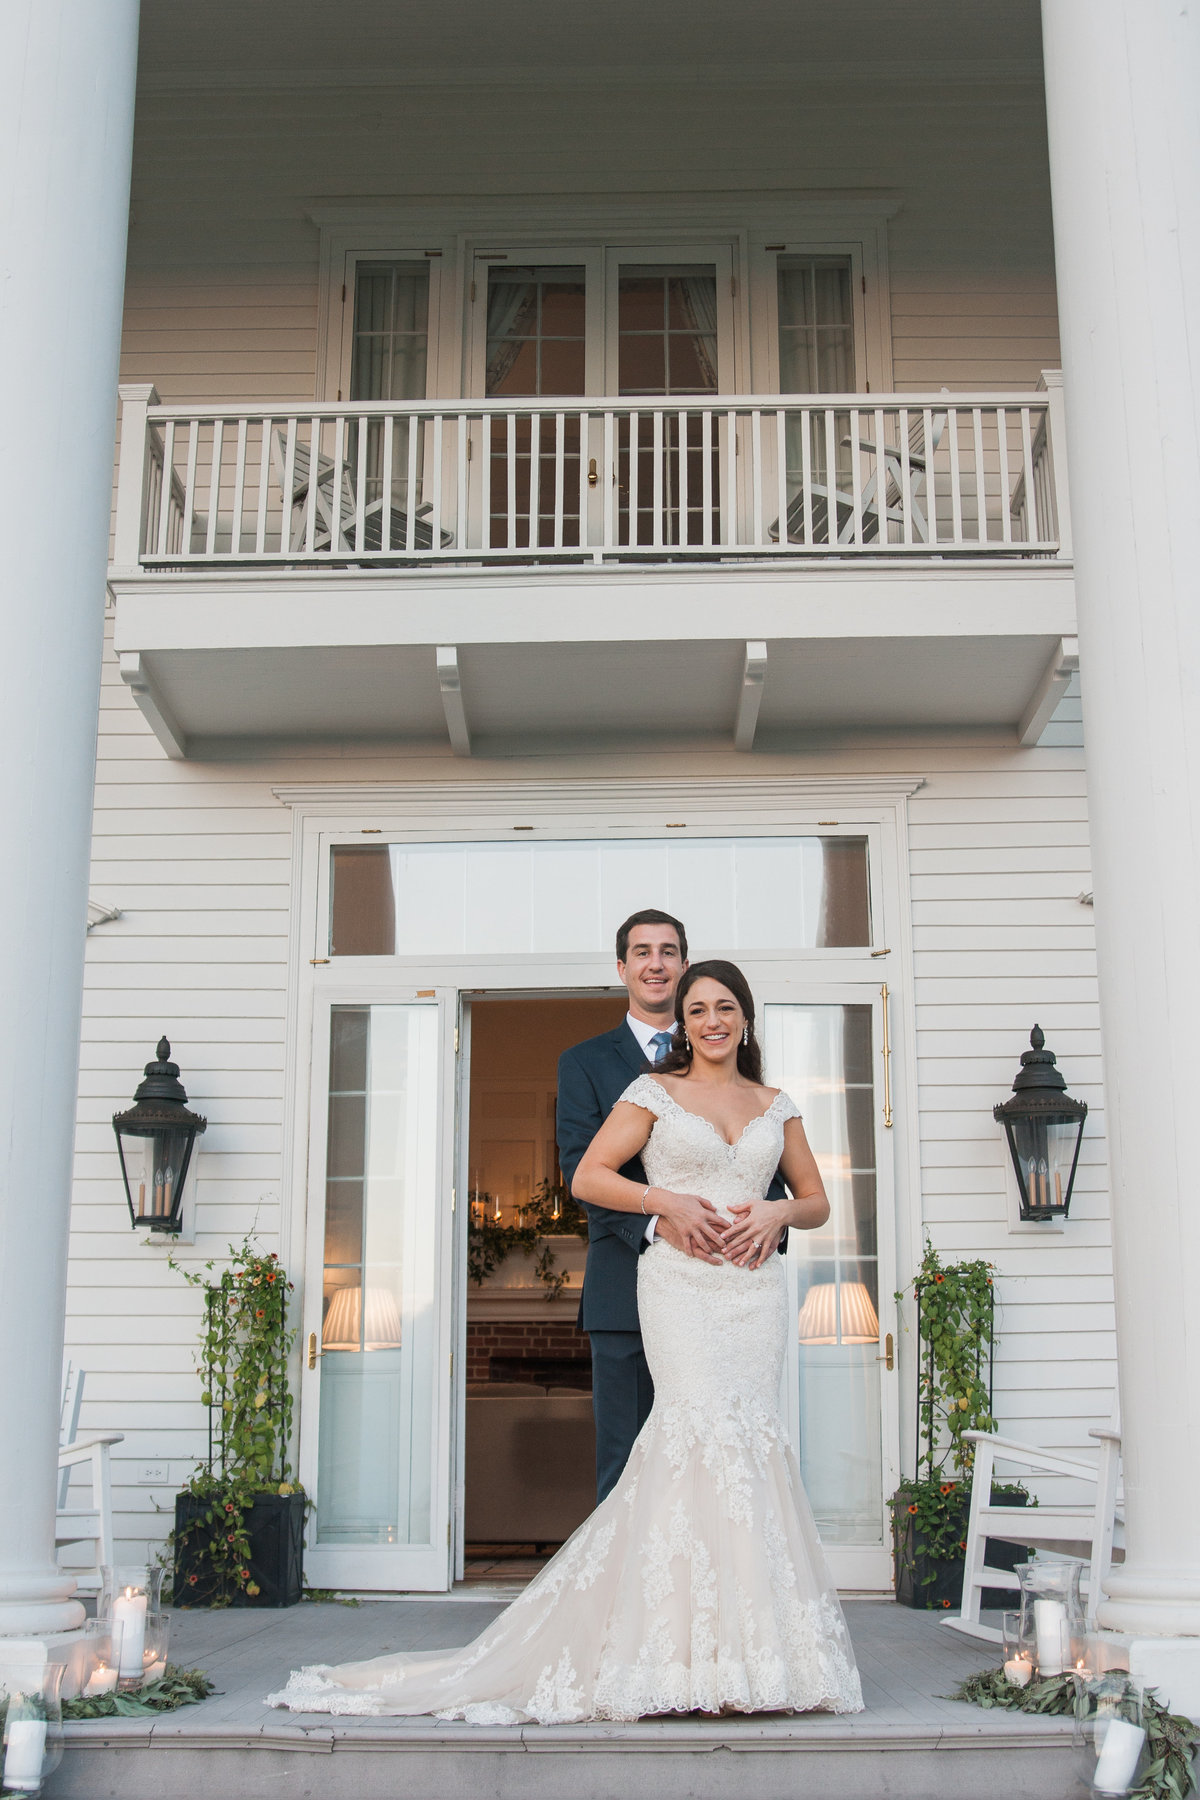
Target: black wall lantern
(154,1140)
(1045,1129)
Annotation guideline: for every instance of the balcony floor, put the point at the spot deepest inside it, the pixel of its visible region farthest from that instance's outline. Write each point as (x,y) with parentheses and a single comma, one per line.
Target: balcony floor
(909,1744)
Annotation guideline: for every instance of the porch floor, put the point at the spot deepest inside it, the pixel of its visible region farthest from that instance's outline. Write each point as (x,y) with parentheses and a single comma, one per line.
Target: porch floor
(909,1744)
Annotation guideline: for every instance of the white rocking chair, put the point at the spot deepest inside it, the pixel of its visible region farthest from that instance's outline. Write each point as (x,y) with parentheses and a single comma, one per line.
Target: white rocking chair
(88,1524)
(323,495)
(881,500)
(1092,1530)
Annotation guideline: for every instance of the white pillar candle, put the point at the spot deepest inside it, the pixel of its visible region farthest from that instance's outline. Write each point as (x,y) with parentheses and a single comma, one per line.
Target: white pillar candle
(129,1612)
(1118,1758)
(155,1671)
(26,1745)
(102,1680)
(1019,1671)
(1049,1624)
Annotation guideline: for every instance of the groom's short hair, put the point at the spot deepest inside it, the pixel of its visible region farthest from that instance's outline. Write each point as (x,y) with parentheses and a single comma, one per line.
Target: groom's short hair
(648,916)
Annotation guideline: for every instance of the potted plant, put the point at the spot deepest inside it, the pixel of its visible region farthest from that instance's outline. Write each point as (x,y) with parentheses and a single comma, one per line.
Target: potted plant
(239,1522)
(549,1212)
(956,1340)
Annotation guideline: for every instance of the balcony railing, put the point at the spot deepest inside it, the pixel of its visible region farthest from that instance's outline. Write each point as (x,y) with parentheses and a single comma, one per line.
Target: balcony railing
(486,482)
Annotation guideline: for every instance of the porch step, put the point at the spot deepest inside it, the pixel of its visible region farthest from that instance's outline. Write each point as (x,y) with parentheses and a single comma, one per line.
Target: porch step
(910,1742)
(775,1759)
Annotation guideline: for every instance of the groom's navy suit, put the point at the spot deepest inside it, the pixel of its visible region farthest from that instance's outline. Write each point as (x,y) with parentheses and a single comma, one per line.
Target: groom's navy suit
(592,1076)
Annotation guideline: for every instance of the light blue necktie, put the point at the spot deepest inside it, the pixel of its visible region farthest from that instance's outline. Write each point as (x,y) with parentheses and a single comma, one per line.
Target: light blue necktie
(662,1043)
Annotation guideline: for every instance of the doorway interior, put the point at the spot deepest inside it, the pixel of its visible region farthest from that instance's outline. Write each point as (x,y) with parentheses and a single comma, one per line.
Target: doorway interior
(529,1443)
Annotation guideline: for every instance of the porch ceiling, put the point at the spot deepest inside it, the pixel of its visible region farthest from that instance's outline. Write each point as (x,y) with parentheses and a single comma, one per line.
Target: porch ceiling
(283,40)
(494,665)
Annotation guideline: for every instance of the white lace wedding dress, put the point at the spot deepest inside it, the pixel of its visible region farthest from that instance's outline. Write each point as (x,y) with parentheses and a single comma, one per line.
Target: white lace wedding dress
(699,1584)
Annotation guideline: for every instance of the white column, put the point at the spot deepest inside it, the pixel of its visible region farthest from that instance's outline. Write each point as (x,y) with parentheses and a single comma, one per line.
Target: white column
(67,73)
(1123,108)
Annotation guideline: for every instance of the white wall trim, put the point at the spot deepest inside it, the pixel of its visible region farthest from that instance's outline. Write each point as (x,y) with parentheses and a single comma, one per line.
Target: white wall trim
(449,805)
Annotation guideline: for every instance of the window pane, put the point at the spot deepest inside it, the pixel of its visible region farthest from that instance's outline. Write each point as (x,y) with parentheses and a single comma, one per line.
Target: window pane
(768,893)
(391,331)
(667,330)
(820,1055)
(377,1380)
(816,336)
(536,321)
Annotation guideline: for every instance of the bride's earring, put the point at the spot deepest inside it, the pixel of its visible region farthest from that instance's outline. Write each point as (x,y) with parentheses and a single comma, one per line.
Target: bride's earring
(745,1034)
(688,1042)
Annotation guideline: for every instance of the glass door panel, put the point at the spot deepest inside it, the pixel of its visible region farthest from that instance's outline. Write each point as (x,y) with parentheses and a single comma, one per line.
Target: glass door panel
(536,347)
(380,1518)
(823,1055)
(668,478)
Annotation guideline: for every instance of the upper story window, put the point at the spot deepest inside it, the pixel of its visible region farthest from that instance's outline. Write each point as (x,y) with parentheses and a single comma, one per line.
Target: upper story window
(390,348)
(667,330)
(537,324)
(816,325)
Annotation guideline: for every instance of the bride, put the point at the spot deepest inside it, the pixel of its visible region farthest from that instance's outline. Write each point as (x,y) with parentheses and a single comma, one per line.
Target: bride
(699,1583)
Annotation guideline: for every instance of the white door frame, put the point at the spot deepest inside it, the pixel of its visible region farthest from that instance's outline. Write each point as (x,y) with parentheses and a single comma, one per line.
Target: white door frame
(430,812)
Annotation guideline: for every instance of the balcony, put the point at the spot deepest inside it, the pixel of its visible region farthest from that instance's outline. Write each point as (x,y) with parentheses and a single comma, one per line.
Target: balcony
(404,569)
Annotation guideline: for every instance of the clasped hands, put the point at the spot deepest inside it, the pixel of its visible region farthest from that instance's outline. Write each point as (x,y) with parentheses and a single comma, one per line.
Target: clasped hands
(694,1225)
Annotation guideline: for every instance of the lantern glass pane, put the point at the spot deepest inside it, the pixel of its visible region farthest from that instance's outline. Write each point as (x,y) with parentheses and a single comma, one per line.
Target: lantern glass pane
(1044,1148)
(163,1161)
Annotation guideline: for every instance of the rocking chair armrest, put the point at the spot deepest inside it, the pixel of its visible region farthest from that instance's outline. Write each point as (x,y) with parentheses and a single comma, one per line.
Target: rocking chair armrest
(1104,1434)
(915,461)
(81,1449)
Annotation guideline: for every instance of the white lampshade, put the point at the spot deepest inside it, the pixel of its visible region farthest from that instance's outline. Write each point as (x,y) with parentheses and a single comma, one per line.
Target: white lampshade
(817,1321)
(344,1326)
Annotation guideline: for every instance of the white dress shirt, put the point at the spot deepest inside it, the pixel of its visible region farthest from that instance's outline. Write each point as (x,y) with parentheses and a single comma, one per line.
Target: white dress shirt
(645,1035)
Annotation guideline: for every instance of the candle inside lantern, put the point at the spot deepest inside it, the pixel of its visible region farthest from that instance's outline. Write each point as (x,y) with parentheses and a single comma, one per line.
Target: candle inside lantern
(1119,1751)
(1019,1670)
(25,1748)
(129,1612)
(1057,1188)
(1049,1623)
(102,1680)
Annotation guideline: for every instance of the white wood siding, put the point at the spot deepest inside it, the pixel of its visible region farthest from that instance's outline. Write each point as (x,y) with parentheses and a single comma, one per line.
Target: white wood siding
(197,855)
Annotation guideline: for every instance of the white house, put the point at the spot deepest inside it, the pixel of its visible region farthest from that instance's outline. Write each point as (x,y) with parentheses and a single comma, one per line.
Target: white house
(566,463)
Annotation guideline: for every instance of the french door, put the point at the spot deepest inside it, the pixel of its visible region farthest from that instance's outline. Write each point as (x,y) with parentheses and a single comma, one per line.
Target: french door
(376,1395)
(827,1050)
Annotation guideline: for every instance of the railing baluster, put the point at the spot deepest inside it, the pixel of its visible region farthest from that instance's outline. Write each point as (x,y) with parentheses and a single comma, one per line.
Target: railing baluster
(388,427)
(980,476)
(287,532)
(1034,531)
(931,524)
(833,529)
(657,517)
(706,462)
(681,534)
(756,476)
(807,417)
(906,495)
(436,515)
(239,489)
(189,489)
(314,486)
(511,479)
(360,494)
(856,476)
(163,544)
(264,486)
(608,477)
(341,463)
(635,433)
(415,433)
(560,476)
(781,497)
(535,479)
(214,487)
(1005,476)
(955,476)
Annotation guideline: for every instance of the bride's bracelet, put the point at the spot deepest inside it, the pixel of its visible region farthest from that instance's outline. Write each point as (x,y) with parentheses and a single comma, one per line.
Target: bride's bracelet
(649,1190)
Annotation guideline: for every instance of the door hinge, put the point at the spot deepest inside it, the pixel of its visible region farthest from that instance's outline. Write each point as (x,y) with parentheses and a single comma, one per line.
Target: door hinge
(733,287)
(453,1198)
(456,1040)
(343,293)
(473,290)
(864,284)
(452,1365)
(468,449)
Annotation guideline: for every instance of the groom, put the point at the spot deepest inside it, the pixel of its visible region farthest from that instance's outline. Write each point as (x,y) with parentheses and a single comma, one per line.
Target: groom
(651,958)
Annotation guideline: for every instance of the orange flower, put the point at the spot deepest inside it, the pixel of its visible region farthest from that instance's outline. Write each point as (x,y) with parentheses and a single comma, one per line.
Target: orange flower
(192,1580)
(962,1543)
(912,1509)
(947,1487)
(946,1604)
(939,1279)
(261,1313)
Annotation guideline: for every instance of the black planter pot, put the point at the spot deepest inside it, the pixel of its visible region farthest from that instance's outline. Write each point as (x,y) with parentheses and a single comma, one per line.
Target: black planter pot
(275,1523)
(936,1583)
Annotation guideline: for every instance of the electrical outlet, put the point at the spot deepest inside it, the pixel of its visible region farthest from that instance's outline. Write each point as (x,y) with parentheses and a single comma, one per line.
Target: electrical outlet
(154,1474)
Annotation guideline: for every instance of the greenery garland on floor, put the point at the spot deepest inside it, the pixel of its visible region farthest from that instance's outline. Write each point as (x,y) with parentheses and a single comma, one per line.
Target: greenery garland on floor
(1171,1739)
(177,1687)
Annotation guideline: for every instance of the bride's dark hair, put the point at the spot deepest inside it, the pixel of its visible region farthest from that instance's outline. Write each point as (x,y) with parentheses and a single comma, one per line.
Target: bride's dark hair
(678,1059)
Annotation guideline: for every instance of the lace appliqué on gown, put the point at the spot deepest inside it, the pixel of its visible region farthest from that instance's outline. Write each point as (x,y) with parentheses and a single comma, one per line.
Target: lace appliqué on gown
(700,1583)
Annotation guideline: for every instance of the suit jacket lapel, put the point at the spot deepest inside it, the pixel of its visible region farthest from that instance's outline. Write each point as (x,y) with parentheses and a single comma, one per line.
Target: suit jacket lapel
(629,1050)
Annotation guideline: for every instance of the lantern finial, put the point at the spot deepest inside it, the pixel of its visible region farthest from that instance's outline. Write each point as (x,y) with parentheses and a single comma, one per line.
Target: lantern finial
(1037,1038)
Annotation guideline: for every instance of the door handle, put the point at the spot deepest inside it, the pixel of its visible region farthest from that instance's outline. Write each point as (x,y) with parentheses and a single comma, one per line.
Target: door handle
(888,1357)
(593,478)
(313,1352)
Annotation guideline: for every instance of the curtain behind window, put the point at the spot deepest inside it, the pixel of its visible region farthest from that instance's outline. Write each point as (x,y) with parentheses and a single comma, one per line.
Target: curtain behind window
(816,326)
